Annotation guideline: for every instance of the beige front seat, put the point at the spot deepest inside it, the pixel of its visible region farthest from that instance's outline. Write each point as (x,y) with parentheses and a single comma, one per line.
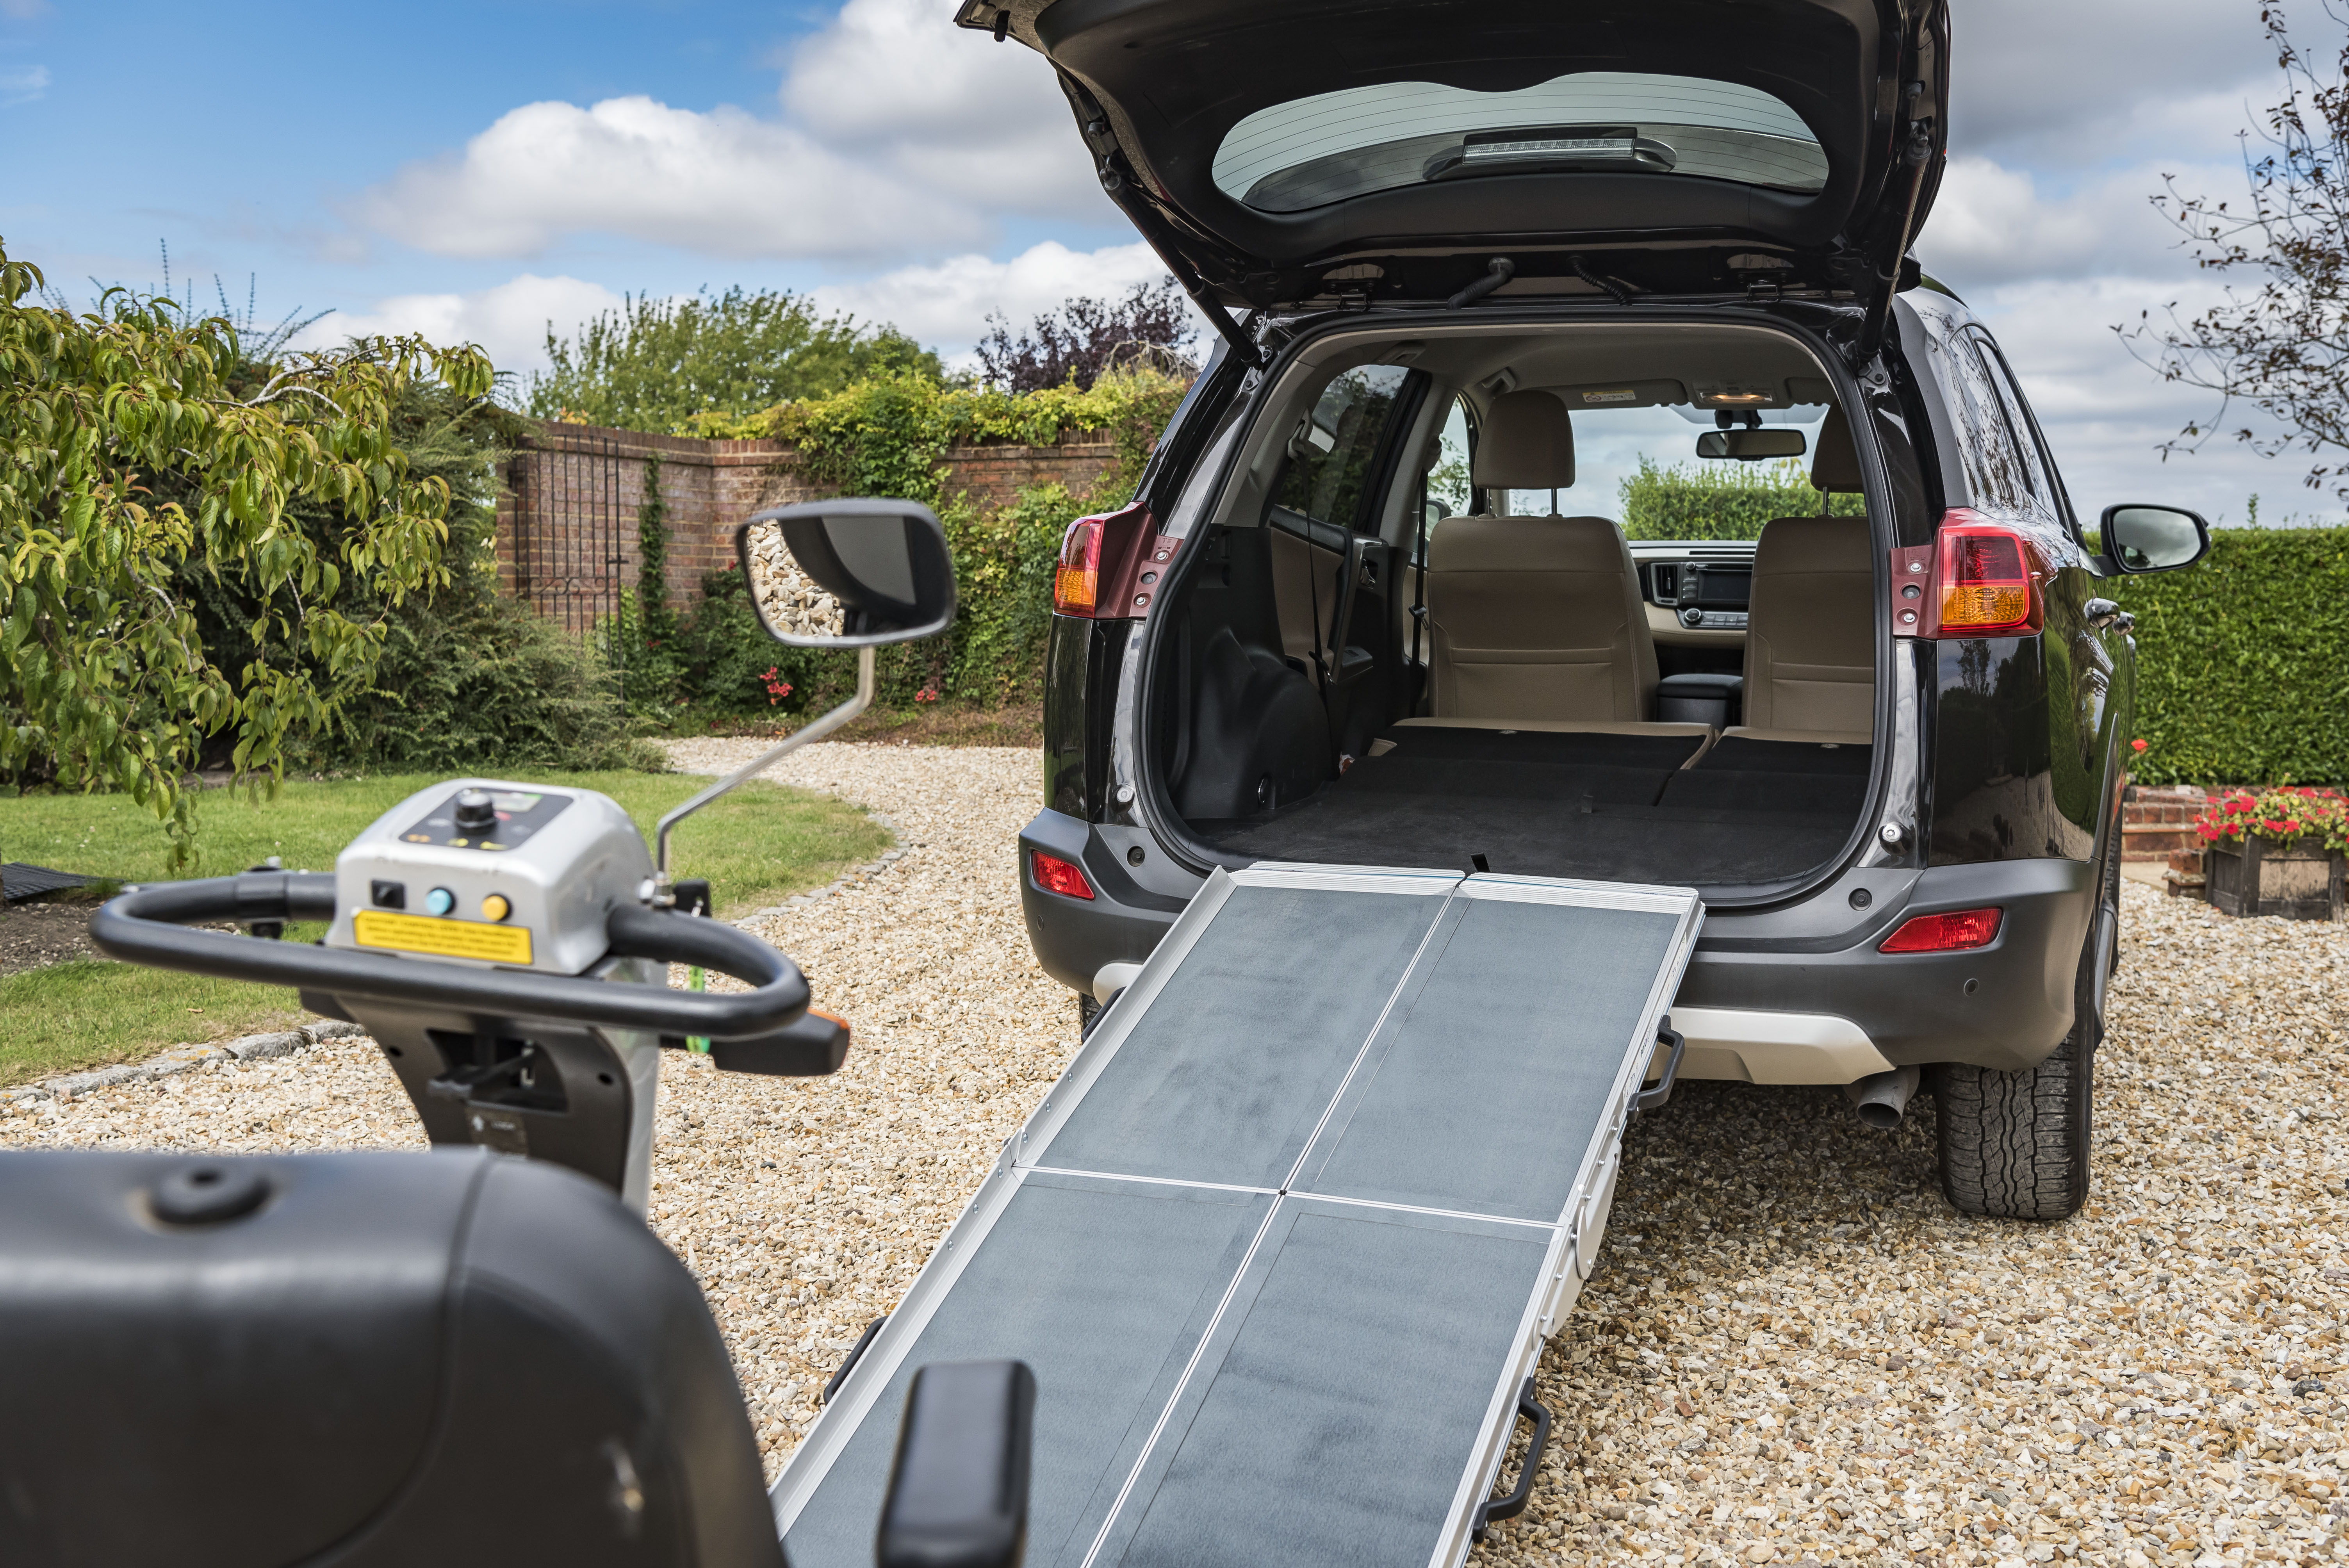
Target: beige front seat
(1810,630)
(1535,618)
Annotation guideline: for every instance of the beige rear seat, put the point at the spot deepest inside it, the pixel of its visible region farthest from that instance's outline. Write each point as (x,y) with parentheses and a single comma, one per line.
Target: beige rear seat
(1535,618)
(1810,631)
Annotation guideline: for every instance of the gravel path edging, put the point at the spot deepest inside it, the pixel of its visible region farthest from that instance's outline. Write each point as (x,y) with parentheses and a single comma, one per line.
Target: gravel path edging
(187,1058)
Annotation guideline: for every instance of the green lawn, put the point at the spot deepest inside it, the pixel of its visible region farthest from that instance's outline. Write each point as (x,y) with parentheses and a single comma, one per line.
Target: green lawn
(757,845)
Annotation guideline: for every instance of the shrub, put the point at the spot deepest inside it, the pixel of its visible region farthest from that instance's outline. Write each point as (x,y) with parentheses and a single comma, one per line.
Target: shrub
(1722,500)
(2242,661)
(473,681)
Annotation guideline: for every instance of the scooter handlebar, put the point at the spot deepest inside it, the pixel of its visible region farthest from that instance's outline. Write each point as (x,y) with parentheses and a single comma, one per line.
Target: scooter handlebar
(149,925)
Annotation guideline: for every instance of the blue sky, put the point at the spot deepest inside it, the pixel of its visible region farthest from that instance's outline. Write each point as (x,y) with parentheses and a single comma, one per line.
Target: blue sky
(474,170)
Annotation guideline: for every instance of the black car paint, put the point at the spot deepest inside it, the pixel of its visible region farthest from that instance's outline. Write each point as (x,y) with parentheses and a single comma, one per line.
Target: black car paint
(2017,801)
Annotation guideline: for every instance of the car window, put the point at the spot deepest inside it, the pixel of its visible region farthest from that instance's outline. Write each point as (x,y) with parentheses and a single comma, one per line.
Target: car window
(2046,481)
(1311,151)
(1447,482)
(1997,475)
(1332,448)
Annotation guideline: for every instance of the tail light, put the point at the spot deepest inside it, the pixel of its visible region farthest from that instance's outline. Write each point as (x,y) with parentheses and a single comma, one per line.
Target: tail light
(1951,932)
(1985,579)
(1054,874)
(1076,581)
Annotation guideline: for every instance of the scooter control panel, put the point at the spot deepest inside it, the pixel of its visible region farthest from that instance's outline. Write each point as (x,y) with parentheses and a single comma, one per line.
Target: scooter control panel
(493,873)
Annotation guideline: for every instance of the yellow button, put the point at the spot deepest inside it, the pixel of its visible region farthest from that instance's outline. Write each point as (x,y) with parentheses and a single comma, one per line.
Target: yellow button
(495,907)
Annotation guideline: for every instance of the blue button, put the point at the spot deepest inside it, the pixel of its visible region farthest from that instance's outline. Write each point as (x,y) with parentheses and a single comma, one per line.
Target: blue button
(440,901)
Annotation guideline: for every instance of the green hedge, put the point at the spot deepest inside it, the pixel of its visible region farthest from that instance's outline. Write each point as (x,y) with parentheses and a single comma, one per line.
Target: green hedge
(1722,500)
(2243,661)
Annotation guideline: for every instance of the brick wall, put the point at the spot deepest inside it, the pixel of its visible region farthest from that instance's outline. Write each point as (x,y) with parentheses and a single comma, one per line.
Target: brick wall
(567,516)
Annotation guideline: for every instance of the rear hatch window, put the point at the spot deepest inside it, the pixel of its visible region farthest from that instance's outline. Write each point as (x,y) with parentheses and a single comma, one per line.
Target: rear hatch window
(1327,147)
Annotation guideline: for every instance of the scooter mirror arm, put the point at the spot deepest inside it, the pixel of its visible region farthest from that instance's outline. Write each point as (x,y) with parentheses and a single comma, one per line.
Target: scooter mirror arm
(815,730)
(149,925)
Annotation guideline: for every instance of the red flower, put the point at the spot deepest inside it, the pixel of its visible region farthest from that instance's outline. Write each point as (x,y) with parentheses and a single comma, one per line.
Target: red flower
(927,694)
(2138,745)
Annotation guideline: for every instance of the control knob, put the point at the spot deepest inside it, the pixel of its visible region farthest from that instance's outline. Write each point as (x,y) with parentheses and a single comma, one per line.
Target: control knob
(1691,617)
(476,813)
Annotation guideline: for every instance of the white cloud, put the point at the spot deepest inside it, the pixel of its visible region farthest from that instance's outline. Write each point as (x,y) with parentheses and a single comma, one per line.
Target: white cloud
(723,183)
(1993,224)
(23,85)
(947,306)
(899,134)
(942,108)
(2072,81)
(510,320)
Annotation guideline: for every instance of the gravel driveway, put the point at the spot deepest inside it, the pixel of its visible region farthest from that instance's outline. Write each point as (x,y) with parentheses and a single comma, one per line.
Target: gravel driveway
(1793,1350)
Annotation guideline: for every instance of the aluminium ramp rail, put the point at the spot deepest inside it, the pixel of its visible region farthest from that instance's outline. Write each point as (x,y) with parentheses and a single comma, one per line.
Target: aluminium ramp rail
(1283,1243)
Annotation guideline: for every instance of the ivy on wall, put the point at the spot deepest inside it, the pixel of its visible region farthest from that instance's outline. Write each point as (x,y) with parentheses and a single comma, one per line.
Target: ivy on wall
(888,437)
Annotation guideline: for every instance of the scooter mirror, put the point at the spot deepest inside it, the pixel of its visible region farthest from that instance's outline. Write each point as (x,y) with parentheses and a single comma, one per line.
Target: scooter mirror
(848,574)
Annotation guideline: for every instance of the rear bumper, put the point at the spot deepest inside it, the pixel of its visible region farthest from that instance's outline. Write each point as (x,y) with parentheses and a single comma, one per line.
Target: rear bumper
(1835,1007)
(1075,937)
(2004,1006)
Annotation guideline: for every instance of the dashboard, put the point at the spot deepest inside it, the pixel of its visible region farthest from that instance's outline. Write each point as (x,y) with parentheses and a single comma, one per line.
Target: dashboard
(1696,591)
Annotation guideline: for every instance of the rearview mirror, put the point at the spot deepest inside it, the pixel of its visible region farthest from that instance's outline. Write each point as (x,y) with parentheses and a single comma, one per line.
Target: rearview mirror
(848,574)
(2154,538)
(1750,446)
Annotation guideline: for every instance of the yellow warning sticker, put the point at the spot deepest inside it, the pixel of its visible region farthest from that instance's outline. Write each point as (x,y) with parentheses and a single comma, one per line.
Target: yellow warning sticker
(443,938)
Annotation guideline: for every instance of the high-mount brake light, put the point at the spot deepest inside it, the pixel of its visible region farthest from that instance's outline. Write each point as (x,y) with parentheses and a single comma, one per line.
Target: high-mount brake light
(1076,581)
(1986,583)
(1054,874)
(1951,932)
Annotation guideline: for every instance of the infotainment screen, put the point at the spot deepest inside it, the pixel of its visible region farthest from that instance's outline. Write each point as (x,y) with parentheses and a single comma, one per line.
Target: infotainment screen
(1719,589)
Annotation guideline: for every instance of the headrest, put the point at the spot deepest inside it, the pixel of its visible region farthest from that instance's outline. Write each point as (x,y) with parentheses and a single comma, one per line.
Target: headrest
(1834,467)
(1519,544)
(1791,544)
(1527,443)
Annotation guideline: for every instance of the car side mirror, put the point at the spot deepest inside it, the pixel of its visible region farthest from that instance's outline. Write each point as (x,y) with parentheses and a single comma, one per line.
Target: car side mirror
(848,574)
(958,1490)
(2154,538)
(1750,446)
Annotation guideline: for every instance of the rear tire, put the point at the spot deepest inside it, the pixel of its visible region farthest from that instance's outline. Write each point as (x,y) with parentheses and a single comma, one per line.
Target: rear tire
(2017,1146)
(1087,1011)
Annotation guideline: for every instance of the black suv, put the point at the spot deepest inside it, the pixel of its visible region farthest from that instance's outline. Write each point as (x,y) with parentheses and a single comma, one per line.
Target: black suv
(1493,281)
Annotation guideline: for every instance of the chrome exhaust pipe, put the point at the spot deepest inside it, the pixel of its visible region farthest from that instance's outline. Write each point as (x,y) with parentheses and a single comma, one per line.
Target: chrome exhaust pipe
(1881,1098)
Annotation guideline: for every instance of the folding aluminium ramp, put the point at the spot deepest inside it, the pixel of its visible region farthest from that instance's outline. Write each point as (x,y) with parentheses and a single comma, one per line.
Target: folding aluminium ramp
(1283,1243)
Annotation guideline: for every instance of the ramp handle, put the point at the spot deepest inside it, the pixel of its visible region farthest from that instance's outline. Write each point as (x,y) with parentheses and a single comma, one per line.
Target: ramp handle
(855,1354)
(1654,1099)
(1509,1507)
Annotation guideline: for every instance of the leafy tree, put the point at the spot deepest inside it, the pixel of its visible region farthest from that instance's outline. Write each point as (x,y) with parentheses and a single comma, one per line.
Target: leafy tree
(654,364)
(1087,337)
(2283,345)
(106,678)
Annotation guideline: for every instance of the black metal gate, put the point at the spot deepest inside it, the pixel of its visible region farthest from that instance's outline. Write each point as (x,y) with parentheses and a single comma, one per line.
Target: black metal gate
(571,531)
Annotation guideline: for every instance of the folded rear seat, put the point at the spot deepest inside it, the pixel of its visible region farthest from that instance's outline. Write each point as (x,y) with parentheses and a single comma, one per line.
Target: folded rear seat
(1537,622)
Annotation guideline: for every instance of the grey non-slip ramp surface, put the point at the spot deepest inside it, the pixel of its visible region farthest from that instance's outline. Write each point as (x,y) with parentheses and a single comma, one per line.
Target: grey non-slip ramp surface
(1284,1238)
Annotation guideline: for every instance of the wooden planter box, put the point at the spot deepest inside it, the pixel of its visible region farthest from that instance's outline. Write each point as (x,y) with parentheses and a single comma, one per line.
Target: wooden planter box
(2299,881)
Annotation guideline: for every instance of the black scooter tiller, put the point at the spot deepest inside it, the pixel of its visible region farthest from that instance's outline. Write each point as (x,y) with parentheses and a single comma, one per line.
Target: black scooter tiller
(453,1359)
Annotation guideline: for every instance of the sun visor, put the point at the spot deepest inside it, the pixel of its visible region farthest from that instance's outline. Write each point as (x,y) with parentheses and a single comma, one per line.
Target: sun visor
(1622,395)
